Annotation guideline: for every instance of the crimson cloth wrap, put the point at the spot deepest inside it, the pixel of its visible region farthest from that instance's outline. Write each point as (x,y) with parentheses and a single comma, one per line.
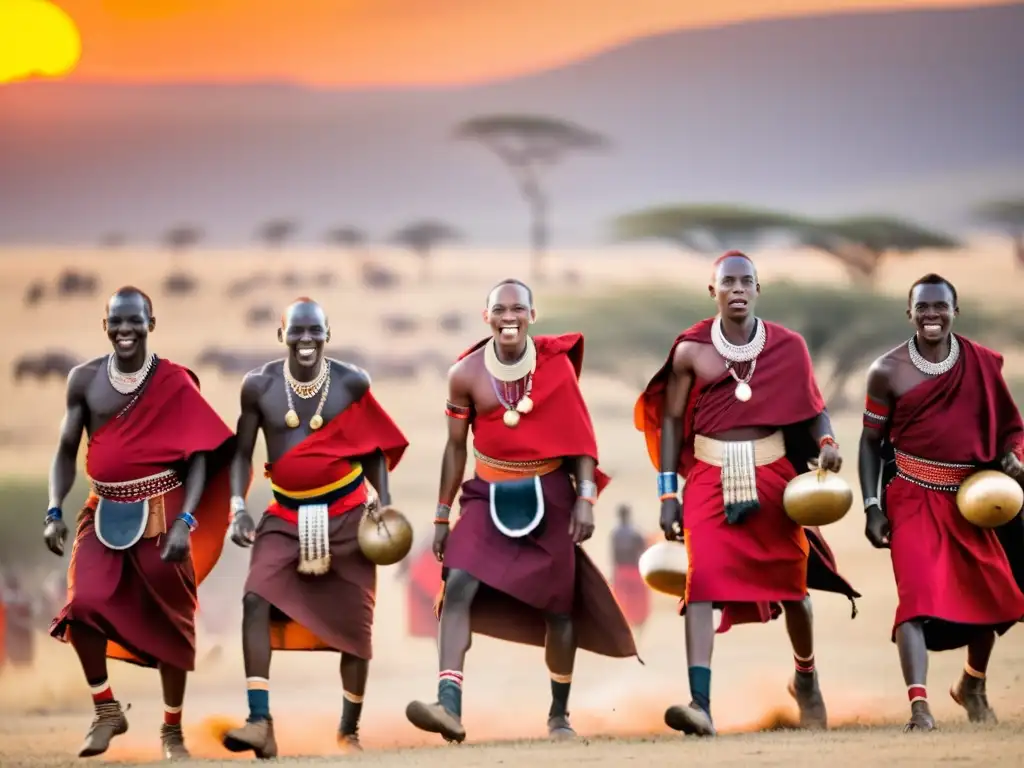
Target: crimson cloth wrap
(954,576)
(632,592)
(522,580)
(144,606)
(332,611)
(421,591)
(747,569)
(557,399)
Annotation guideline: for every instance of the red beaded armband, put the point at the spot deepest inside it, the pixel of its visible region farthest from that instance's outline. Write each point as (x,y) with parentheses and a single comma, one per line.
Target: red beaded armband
(828,440)
(456,411)
(441,521)
(875,413)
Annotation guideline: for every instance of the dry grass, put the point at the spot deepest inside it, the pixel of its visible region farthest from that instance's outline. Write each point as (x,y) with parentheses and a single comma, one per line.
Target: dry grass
(46,709)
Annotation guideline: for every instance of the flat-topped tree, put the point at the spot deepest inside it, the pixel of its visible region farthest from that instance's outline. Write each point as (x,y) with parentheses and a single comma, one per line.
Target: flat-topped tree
(422,237)
(861,243)
(530,145)
(707,229)
(1005,216)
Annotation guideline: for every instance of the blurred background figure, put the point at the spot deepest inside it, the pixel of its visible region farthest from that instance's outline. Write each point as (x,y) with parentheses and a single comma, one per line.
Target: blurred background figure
(19,631)
(423,583)
(630,590)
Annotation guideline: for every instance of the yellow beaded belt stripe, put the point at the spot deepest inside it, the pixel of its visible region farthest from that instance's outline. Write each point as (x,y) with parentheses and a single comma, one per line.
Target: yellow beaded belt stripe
(325,494)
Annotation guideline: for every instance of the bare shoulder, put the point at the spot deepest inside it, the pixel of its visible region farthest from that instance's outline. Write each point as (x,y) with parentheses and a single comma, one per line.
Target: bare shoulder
(258,380)
(81,376)
(356,380)
(685,355)
(463,369)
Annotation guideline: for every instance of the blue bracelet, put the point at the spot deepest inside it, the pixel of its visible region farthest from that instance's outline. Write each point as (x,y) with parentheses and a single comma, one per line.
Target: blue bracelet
(189,520)
(668,482)
(53,514)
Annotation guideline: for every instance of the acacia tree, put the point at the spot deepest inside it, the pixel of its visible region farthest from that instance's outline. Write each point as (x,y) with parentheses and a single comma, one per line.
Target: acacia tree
(1007,216)
(530,145)
(276,232)
(703,229)
(861,243)
(422,237)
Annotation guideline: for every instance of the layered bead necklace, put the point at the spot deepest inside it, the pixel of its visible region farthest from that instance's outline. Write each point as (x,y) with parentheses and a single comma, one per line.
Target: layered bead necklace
(734,353)
(306,390)
(128,383)
(929,368)
(512,382)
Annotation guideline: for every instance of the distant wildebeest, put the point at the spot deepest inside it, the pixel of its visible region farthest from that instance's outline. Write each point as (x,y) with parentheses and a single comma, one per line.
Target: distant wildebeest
(450,322)
(261,314)
(399,324)
(378,277)
(246,285)
(45,365)
(71,282)
(180,284)
(35,293)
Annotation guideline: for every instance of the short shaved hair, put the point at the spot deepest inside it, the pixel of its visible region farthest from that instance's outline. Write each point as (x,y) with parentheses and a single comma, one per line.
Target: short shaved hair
(512,281)
(129,290)
(300,300)
(730,255)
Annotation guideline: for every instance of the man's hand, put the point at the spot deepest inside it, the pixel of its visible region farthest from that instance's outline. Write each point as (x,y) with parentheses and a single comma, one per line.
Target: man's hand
(440,539)
(55,534)
(581,525)
(672,519)
(829,458)
(178,544)
(877,528)
(243,529)
(1013,466)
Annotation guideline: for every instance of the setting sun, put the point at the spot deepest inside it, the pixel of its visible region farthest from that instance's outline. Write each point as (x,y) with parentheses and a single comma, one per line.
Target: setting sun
(37,39)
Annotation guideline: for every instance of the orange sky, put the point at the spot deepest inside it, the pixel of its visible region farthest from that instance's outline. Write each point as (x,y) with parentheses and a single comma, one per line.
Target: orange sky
(385,42)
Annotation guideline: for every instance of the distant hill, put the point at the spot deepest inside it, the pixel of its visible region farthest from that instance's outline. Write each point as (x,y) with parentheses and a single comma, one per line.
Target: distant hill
(922,111)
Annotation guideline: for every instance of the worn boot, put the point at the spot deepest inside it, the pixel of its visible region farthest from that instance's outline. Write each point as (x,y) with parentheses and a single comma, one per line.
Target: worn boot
(173,742)
(108,722)
(691,720)
(804,689)
(255,735)
(559,728)
(921,720)
(434,718)
(969,693)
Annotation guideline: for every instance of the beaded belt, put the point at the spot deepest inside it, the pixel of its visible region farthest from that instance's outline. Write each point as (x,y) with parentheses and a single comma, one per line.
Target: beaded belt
(496,470)
(137,490)
(933,475)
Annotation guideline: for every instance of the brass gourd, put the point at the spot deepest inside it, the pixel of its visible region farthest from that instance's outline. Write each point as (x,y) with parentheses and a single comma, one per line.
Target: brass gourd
(385,535)
(989,498)
(815,498)
(664,566)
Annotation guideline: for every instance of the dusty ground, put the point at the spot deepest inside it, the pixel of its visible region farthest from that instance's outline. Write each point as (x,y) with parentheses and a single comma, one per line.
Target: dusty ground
(616,705)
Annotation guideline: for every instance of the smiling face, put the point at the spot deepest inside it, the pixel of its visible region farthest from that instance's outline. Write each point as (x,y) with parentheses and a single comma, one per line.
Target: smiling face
(931,312)
(509,313)
(127,325)
(305,331)
(735,289)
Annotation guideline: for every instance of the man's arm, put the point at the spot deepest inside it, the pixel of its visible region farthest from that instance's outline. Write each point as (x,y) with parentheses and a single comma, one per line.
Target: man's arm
(459,408)
(195,483)
(878,405)
(63,469)
(680,382)
(249,423)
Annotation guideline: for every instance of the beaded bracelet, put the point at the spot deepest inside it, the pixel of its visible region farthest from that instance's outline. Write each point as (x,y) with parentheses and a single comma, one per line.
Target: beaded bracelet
(53,514)
(189,520)
(668,484)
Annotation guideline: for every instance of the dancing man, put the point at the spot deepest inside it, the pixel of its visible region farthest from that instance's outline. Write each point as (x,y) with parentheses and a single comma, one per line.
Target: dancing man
(937,410)
(736,411)
(512,565)
(310,587)
(158,464)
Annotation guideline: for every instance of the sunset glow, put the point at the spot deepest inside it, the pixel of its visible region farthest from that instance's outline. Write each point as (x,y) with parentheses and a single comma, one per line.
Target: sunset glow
(367,43)
(37,39)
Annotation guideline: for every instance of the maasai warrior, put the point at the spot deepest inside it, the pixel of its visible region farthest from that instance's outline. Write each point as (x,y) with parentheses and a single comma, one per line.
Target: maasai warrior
(736,411)
(155,521)
(937,410)
(512,565)
(630,590)
(310,588)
